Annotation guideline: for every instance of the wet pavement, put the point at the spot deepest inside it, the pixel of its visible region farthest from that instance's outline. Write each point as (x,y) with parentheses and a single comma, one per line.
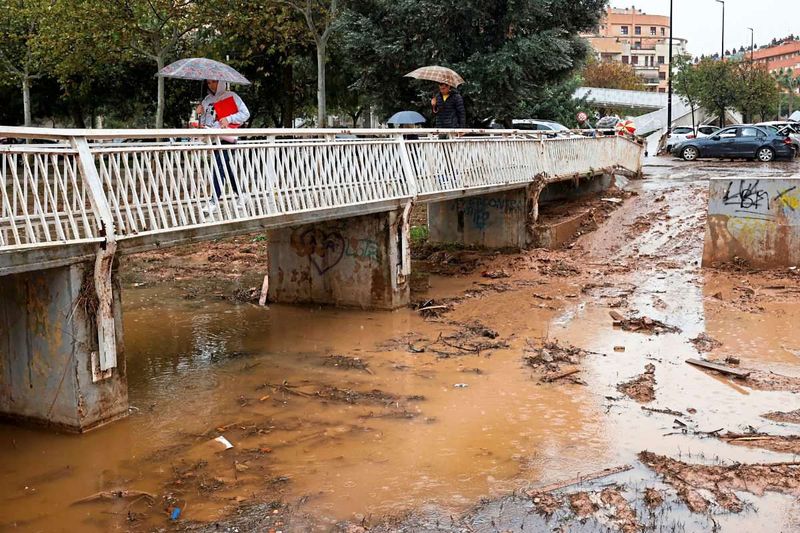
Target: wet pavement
(440,424)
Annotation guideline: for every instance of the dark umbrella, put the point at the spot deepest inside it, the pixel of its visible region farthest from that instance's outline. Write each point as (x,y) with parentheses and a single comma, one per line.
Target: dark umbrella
(406,117)
(199,68)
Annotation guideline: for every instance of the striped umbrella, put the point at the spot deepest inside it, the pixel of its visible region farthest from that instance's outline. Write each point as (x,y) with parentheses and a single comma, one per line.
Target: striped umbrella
(200,68)
(625,126)
(437,74)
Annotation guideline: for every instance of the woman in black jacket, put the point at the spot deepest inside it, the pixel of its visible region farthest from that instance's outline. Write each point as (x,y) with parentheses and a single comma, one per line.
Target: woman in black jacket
(448,108)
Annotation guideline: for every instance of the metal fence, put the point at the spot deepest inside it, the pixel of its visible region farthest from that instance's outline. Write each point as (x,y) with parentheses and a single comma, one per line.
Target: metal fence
(78,186)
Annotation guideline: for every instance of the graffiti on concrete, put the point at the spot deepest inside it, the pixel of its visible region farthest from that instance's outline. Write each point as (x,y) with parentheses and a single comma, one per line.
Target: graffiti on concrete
(479,209)
(326,249)
(751,197)
(363,249)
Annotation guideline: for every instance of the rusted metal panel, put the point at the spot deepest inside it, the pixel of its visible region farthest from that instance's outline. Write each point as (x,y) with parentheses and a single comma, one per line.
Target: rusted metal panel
(753,219)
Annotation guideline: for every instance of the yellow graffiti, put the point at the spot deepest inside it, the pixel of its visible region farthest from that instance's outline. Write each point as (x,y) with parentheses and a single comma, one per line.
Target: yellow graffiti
(792,202)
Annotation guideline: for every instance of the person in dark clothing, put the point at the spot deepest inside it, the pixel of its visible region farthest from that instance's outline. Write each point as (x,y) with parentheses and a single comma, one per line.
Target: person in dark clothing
(448,108)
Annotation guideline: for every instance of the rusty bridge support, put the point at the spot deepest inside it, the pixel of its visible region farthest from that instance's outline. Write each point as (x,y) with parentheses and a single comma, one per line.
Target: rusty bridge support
(50,370)
(362,261)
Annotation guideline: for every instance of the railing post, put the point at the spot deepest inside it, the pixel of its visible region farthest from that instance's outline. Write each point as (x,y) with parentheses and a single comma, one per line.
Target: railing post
(106,330)
(408,170)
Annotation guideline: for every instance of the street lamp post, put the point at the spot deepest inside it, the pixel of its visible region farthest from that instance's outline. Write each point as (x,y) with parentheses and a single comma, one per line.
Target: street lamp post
(722,51)
(752,41)
(722,58)
(669,74)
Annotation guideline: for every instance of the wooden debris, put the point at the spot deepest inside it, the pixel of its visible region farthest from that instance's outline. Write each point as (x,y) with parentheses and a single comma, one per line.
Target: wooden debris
(719,368)
(553,377)
(580,479)
(122,494)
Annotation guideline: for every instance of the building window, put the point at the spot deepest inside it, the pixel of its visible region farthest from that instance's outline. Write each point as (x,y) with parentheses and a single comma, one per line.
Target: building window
(634,60)
(662,75)
(625,59)
(652,30)
(637,30)
(660,60)
(623,30)
(663,32)
(662,90)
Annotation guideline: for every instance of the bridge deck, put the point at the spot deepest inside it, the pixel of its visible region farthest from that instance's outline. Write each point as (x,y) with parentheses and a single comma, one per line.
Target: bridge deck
(143,188)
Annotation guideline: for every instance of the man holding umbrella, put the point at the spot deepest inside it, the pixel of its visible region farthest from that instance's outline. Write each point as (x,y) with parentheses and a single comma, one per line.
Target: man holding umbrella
(448,104)
(448,108)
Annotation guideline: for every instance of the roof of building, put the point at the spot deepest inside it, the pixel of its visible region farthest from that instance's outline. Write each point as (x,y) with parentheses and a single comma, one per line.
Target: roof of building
(781,49)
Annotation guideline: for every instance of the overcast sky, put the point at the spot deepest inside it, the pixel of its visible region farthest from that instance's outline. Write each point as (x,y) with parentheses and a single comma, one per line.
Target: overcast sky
(700,21)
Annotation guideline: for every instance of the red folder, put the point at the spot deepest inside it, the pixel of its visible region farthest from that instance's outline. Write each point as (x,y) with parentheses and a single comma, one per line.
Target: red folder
(225,107)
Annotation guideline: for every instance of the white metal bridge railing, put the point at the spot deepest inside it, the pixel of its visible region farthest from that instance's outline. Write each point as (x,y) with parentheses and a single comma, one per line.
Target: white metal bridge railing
(69,187)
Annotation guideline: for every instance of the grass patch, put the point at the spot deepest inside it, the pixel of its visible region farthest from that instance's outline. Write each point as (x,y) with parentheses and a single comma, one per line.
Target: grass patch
(419,234)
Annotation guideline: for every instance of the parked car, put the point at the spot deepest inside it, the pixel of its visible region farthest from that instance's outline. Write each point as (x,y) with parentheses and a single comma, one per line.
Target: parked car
(783,127)
(549,127)
(11,140)
(680,134)
(741,141)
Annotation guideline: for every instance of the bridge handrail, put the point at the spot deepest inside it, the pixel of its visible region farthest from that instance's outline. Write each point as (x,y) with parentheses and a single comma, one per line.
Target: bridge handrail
(89,187)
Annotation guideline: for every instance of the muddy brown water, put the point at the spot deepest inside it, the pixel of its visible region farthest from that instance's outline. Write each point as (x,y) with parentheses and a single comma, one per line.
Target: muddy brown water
(485,426)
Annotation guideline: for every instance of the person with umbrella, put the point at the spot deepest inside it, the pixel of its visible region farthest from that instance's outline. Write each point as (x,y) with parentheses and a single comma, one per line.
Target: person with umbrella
(448,104)
(220,109)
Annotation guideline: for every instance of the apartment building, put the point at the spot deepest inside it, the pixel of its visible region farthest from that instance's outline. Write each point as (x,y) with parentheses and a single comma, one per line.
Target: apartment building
(635,38)
(782,56)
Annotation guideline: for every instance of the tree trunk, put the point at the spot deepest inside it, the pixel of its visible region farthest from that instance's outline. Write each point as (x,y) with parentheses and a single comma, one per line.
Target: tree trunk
(160,104)
(722,118)
(322,118)
(287,101)
(26,100)
(791,97)
(694,124)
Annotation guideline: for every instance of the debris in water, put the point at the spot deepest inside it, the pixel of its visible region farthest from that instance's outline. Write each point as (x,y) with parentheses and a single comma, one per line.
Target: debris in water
(225,442)
(642,324)
(776,443)
(346,362)
(121,494)
(641,388)
(461,385)
(695,482)
(705,343)
(495,274)
(719,368)
(792,417)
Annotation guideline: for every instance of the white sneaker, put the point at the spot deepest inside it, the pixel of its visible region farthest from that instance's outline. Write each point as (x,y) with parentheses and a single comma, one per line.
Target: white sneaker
(241,202)
(211,207)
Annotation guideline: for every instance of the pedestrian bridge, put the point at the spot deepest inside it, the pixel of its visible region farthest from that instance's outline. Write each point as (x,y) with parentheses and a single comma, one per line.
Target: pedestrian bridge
(335,202)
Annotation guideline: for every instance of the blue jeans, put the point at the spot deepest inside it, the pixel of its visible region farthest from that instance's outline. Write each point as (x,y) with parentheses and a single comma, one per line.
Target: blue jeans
(223,166)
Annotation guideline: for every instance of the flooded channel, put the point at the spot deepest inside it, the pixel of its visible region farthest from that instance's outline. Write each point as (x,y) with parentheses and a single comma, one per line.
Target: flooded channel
(353,415)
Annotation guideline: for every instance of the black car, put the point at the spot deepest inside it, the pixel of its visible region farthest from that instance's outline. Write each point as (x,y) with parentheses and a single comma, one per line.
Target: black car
(744,141)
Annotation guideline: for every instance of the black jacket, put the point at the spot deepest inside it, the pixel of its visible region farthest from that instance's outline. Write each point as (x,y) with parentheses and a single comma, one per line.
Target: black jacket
(450,113)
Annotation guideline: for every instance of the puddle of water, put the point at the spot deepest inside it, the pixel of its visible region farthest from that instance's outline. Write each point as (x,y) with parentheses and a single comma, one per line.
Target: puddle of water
(198,365)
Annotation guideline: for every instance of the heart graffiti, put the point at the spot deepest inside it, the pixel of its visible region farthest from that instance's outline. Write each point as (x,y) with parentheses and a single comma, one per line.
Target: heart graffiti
(324,249)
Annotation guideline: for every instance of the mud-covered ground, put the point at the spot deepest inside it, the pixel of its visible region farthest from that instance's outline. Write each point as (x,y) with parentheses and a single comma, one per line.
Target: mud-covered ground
(522,391)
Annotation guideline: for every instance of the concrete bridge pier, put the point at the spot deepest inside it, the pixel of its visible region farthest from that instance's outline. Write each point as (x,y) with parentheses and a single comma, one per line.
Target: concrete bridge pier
(361,261)
(497,220)
(510,219)
(49,365)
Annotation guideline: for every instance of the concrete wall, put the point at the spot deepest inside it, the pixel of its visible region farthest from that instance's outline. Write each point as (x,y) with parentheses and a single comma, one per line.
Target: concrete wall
(46,345)
(493,220)
(757,220)
(356,262)
(564,190)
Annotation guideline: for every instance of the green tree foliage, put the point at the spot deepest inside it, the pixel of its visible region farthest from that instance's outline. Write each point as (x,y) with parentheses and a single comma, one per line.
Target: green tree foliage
(787,79)
(687,83)
(20,59)
(269,43)
(611,75)
(510,52)
(757,92)
(718,85)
